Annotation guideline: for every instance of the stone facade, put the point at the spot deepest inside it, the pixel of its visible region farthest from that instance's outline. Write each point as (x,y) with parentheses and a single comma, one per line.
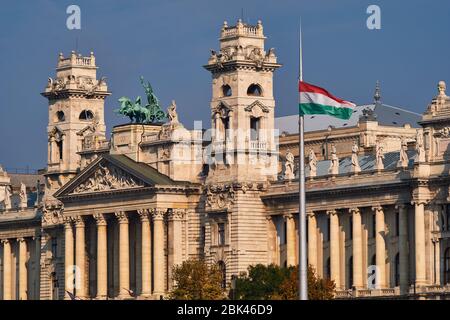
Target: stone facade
(117,215)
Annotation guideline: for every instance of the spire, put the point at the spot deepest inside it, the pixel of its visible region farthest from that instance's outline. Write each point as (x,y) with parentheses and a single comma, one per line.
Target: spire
(377,95)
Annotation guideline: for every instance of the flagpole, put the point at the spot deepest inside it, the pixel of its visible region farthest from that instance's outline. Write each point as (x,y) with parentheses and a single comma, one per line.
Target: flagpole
(303,267)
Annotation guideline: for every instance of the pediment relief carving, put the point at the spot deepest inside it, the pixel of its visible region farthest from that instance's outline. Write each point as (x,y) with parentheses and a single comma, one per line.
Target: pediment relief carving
(56,133)
(106,178)
(223,109)
(257,107)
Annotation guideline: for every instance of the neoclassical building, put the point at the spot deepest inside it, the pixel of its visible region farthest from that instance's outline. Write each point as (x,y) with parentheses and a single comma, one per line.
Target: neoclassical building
(118,214)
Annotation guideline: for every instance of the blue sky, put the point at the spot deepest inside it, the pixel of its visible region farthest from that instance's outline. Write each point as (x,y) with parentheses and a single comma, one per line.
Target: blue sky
(168,42)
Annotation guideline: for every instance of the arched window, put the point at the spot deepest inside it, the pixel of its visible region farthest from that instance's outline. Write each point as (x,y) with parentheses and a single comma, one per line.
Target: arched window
(397,270)
(223,272)
(447,266)
(254,90)
(226,91)
(86,115)
(60,117)
(350,272)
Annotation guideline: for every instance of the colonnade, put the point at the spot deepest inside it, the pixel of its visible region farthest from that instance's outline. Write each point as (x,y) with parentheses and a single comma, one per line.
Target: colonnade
(359,273)
(152,255)
(9,282)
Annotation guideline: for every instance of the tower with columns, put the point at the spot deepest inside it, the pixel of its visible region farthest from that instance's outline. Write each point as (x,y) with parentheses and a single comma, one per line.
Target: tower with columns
(75,109)
(242,106)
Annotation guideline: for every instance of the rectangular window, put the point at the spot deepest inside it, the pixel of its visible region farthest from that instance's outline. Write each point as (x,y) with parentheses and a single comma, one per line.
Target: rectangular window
(54,248)
(221,234)
(254,129)
(203,236)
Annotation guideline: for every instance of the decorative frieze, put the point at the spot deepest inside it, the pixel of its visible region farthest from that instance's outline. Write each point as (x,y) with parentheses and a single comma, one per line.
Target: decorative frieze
(107,178)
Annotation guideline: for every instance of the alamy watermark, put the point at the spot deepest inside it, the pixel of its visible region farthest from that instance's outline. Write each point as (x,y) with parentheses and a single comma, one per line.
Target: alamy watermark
(73,21)
(373,22)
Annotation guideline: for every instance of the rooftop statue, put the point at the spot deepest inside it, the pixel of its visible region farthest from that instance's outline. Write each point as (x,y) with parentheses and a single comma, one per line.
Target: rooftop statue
(150,113)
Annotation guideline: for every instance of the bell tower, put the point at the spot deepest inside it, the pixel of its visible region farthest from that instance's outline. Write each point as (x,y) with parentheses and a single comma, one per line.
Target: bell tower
(242,106)
(76,108)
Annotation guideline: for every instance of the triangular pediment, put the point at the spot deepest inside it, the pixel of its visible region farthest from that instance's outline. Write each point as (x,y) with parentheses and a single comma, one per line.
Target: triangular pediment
(110,173)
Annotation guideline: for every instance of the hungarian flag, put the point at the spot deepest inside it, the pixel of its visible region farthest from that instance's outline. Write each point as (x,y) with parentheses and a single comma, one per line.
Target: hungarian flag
(316,100)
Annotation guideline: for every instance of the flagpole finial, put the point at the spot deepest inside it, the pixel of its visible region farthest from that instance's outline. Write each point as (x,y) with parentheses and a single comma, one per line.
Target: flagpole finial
(377,95)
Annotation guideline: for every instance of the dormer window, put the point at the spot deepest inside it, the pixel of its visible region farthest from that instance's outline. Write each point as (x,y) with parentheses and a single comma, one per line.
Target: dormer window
(86,115)
(226,91)
(254,90)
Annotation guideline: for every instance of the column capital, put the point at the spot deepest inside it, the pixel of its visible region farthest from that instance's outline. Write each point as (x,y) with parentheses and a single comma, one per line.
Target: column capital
(354,210)
(401,206)
(377,208)
(176,214)
(310,214)
(288,216)
(79,221)
(331,212)
(100,219)
(21,239)
(420,201)
(5,241)
(68,221)
(159,214)
(121,216)
(144,214)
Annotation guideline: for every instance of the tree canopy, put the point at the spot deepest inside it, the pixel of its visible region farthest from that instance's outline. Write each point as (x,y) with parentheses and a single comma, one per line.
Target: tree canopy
(279,283)
(195,280)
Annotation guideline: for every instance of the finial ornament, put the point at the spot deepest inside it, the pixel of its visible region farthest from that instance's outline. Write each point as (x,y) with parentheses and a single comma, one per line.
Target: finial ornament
(441,88)
(377,95)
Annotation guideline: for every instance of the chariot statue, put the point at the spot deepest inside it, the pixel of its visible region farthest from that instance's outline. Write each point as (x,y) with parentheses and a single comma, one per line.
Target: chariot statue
(138,113)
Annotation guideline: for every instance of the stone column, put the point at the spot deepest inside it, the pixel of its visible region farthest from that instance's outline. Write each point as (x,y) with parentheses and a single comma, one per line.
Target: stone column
(357,249)
(23,276)
(403,247)
(80,257)
(124,255)
(102,256)
(312,240)
(174,217)
(380,245)
(68,258)
(290,240)
(419,218)
(7,270)
(334,247)
(158,251)
(146,253)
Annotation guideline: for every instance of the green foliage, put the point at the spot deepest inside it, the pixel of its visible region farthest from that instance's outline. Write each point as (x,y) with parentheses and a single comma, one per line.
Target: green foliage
(195,280)
(274,283)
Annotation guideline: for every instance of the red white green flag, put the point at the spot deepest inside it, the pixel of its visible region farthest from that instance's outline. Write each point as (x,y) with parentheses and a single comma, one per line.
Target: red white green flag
(316,100)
